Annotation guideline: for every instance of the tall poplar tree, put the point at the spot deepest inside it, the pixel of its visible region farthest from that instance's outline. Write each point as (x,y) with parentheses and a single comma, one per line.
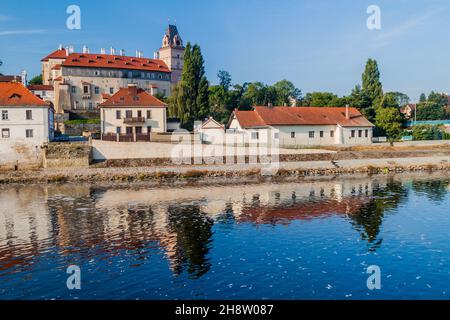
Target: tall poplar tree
(371,81)
(189,100)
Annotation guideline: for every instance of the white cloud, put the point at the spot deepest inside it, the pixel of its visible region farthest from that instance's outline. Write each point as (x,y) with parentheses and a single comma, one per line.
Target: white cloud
(401,30)
(4,18)
(21,32)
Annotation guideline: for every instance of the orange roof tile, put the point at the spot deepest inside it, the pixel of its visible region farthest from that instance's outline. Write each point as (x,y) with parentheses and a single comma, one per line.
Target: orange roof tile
(40,87)
(133,97)
(265,116)
(15,94)
(58,54)
(91,60)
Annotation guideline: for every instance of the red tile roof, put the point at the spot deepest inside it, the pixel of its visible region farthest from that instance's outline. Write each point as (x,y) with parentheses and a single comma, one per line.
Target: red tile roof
(58,54)
(15,94)
(133,97)
(40,87)
(281,116)
(91,60)
(57,67)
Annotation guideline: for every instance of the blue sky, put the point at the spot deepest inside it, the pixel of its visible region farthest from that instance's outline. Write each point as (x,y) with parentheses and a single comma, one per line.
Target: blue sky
(320,45)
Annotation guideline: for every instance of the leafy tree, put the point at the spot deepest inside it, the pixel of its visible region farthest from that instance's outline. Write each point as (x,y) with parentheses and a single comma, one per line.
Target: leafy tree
(36,80)
(286,93)
(389,121)
(371,81)
(224,79)
(426,132)
(423,97)
(323,99)
(360,99)
(438,98)
(430,111)
(400,98)
(190,101)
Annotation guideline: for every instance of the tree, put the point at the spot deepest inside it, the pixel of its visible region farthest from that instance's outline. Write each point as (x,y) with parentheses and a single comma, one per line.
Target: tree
(423,98)
(389,121)
(323,99)
(286,93)
(224,79)
(430,111)
(360,99)
(36,80)
(400,98)
(190,98)
(371,81)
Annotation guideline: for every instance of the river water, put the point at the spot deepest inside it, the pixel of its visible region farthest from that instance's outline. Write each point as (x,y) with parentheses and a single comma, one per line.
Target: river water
(294,240)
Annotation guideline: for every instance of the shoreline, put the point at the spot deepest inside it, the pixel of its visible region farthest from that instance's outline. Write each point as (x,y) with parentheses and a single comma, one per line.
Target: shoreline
(238,172)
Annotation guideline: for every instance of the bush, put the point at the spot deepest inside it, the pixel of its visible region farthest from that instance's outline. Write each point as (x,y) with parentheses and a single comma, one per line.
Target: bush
(82,121)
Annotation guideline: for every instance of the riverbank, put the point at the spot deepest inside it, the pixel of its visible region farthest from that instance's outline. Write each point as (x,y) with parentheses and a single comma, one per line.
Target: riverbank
(170,174)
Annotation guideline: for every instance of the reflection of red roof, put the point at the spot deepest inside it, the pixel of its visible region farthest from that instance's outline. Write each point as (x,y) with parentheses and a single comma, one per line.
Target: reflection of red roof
(301,211)
(40,87)
(91,60)
(265,116)
(15,94)
(58,54)
(133,97)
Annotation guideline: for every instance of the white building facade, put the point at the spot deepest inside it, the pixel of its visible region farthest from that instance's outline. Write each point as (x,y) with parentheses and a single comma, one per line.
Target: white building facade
(304,126)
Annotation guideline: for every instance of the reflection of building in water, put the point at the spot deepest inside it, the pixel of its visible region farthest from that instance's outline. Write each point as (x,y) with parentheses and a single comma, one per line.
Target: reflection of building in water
(83,221)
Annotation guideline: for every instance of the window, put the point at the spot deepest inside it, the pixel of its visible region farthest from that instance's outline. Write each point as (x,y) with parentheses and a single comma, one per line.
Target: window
(97,90)
(332,133)
(29,114)
(292,134)
(90,106)
(129,130)
(149,129)
(111,90)
(149,114)
(29,133)
(5,133)
(74,89)
(353,133)
(118,130)
(138,130)
(276,135)
(359,133)
(255,135)
(129,114)
(118,114)
(321,134)
(311,134)
(85,89)
(139,113)
(43,93)
(4,115)
(367,133)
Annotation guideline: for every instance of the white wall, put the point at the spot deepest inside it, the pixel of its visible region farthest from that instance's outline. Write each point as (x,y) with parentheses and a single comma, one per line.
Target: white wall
(110,123)
(18,124)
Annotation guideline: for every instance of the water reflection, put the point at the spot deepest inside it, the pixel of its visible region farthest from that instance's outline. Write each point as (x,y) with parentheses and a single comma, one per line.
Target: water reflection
(82,222)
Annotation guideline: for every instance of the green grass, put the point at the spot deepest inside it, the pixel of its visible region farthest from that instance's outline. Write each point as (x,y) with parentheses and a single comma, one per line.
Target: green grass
(82,121)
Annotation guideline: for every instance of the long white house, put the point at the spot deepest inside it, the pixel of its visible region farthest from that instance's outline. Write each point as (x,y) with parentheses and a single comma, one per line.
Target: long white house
(304,126)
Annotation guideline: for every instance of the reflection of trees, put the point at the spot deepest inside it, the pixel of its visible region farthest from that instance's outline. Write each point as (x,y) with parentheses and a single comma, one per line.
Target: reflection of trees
(367,221)
(435,190)
(193,234)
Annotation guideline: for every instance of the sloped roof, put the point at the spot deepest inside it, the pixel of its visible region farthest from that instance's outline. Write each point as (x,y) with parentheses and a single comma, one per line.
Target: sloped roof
(15,94)
(211,123)
(262,116)
(133,97)
(91,60)
(58,54)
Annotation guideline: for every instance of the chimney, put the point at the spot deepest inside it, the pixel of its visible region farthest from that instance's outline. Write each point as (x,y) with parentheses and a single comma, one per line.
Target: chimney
(71,50)
(347,113)
(112,51)
(23,77)
(153,90)
(60,47)
(270,105)
(122,52)
(67,51)
(85,49)
(102,51)
(133,88)
(155,55)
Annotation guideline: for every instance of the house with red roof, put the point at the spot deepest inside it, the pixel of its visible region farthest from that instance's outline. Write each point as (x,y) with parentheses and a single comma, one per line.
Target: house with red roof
(304,126)
(131,115)
(24,117)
